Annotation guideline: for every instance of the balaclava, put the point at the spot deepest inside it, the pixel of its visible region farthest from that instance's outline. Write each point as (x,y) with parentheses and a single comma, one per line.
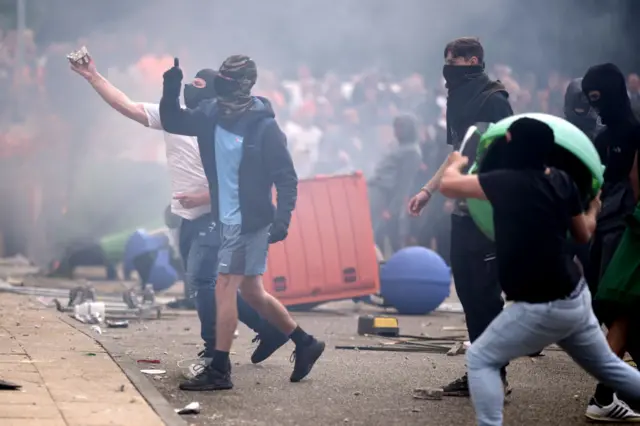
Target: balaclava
(194,95)
(236,77)
(531,145)
(577,109)
(613,105)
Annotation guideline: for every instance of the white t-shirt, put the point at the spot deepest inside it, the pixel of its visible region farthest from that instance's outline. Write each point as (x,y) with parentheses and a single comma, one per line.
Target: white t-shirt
(185,166)
(304,144)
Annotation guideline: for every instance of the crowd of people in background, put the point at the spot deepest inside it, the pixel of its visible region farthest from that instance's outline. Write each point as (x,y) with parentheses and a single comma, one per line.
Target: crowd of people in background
(334,123)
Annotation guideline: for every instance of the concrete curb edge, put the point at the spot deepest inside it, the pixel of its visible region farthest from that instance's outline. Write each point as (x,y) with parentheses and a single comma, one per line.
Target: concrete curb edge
(154,398)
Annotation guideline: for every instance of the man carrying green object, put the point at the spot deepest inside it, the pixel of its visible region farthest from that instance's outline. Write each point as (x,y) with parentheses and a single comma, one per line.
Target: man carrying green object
(534,208)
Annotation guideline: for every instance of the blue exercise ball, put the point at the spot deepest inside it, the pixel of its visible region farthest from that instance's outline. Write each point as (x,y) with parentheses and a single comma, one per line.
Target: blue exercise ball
(162,275)
(138,243)
(415,281)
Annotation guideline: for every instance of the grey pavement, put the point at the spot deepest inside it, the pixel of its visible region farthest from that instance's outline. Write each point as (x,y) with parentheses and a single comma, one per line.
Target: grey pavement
(352,387)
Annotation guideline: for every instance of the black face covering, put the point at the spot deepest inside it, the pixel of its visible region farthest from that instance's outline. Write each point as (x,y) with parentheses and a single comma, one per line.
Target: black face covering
(468,88)
(614,105)
(194,95)
(531,145)
(236,77)
(457,75)
(586,119)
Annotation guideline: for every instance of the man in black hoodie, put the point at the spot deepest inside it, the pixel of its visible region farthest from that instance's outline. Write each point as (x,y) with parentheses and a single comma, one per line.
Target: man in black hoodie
(579,112)
(472,98)
(244,154)
(618,145)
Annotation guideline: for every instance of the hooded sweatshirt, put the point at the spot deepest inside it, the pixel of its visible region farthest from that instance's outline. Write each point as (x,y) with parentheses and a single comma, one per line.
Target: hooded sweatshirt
(604,86)
(265,159)
(618,143)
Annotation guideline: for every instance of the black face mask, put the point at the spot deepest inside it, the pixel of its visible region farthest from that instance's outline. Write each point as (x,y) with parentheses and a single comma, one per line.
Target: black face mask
(456,75)
(225,87)
(193,95)
(577,109)
(613,105)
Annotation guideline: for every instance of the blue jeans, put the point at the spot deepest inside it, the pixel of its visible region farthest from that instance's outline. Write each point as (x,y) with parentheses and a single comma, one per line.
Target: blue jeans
(199,245)
(525,328)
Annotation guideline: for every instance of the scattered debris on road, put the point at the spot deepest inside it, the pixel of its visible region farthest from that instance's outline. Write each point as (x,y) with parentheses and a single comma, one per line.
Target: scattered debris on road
(154,372)
(433,394)
(458,348)
(117,324)
(191,408)
(149,361)
(5,385)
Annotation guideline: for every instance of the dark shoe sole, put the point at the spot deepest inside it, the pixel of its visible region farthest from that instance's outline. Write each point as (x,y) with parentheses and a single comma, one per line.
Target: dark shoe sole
(466,394)
(186,387)
(459,394)
(313,362)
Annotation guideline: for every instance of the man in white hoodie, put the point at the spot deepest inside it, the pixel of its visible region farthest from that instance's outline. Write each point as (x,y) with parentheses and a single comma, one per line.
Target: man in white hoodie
(199,239)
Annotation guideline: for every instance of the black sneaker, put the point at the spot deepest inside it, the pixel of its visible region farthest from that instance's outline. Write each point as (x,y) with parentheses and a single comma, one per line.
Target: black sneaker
(460,387)
(186,304)
(267,345)
(207,357)
(209,379)
(304,358)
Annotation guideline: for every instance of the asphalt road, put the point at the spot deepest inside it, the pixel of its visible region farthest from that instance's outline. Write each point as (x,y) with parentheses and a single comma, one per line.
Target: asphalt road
(352,387)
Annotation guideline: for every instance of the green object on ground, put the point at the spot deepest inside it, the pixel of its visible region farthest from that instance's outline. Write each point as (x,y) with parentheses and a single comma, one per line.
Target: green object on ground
(113,245)
(566,135)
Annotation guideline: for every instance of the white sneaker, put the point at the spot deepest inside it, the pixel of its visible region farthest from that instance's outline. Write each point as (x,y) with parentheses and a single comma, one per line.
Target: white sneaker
(616,412)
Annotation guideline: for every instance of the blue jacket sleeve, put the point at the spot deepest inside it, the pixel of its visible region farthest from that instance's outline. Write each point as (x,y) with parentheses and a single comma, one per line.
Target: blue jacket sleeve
(279,165)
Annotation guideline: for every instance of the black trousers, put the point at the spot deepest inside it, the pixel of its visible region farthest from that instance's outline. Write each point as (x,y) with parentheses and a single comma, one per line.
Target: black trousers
(473,263)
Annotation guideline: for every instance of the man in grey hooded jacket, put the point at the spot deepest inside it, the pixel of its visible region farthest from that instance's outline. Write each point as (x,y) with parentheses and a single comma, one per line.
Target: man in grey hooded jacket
(392,183)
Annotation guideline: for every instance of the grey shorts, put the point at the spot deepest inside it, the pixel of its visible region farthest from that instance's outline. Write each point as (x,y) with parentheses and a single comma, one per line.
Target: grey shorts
(242,254)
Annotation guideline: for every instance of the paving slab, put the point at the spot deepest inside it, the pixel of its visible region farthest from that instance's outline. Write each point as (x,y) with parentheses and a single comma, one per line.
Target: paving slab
(67,378)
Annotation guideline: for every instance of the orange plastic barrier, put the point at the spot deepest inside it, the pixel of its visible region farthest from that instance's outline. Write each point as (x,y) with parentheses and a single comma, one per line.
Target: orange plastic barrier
(330,251)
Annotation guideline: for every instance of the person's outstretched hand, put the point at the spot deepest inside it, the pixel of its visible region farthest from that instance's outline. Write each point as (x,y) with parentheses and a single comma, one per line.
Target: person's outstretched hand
(87,70)
(418,202)
(173,80)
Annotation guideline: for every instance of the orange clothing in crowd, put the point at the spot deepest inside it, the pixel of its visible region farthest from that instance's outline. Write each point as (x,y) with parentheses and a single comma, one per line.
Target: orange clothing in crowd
(153,66)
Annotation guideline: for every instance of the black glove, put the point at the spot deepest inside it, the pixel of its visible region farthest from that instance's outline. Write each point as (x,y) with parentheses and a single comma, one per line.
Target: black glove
(173,80)
(278,232)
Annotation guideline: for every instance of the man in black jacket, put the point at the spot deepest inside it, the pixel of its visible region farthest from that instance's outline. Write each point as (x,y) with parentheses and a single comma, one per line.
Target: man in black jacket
(618,145)
(244,153)
(472,98)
